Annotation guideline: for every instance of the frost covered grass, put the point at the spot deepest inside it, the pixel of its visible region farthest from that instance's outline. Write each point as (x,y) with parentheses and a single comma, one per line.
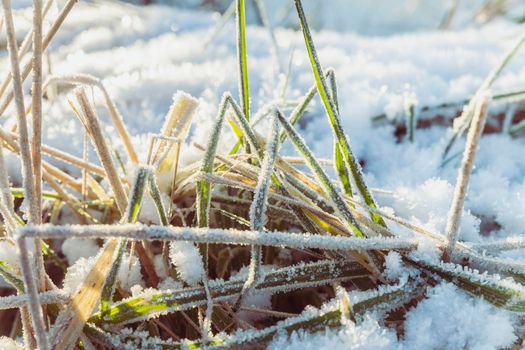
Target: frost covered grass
(239,245)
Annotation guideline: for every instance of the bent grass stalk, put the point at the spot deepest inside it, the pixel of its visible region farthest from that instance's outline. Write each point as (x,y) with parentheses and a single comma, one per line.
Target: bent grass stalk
(91,121)
(259,206)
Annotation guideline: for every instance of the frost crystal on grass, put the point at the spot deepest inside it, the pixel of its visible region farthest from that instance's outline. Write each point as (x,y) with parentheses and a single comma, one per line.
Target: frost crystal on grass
(393,265)
(300,219)
(368,335)
(260,201)
(188,261)
(77,272)
(129,272)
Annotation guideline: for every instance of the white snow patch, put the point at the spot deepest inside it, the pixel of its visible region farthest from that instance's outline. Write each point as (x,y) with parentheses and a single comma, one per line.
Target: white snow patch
(368,335)
(393,265)
(9,344)
(170,284)
(188,262)
(450,319)
(9,254)
(158,263)
(76,248)
(428,205)
(77,272)
(129,272)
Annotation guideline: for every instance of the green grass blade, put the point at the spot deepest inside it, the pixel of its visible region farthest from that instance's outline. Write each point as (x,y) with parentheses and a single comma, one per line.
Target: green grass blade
(504,293)
(322,177)
(331,110)
(411,121)
(136,195)
(157,199)
(9,276)
(132,212)
(342,171)
(242,56)
(203,187)
(301,108)
(281,280)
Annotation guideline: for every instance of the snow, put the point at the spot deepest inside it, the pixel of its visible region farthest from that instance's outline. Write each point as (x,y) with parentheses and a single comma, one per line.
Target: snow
(77,272)
(160,269)
(428,204)
(368,335)
(254,300)
(449,319)
(393,265)
(446,319)
(129,274)
(9,344)
(75,248)
(8,254)
(188,262)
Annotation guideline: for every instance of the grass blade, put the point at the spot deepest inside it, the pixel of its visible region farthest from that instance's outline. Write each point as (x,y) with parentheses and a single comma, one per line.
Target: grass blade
(132,212)
(463,121)
(154,304)
(242,57)
(331,110)
(258,208)
(322,177)
(467,164)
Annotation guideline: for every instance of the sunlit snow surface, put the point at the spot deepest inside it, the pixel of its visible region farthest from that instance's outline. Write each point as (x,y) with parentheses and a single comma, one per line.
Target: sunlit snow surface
(144,55)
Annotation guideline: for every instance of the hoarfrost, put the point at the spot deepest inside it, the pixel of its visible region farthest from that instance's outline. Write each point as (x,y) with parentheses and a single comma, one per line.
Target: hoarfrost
(129,272)
(188,261)
(393,265)
(368,335)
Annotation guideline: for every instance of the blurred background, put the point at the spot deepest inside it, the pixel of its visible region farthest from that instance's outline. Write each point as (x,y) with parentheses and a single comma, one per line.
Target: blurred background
(379,17)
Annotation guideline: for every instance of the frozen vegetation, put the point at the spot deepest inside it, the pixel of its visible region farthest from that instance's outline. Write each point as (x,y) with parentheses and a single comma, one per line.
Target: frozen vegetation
(178,183)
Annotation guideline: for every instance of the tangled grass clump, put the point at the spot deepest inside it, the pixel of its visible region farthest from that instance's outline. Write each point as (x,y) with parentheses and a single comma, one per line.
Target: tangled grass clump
(311,241)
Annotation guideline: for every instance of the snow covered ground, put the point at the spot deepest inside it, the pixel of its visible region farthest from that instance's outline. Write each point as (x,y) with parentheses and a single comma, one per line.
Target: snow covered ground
(144,55)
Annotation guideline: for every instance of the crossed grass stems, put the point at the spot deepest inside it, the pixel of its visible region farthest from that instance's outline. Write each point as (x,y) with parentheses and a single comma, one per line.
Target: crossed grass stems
(345,237)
